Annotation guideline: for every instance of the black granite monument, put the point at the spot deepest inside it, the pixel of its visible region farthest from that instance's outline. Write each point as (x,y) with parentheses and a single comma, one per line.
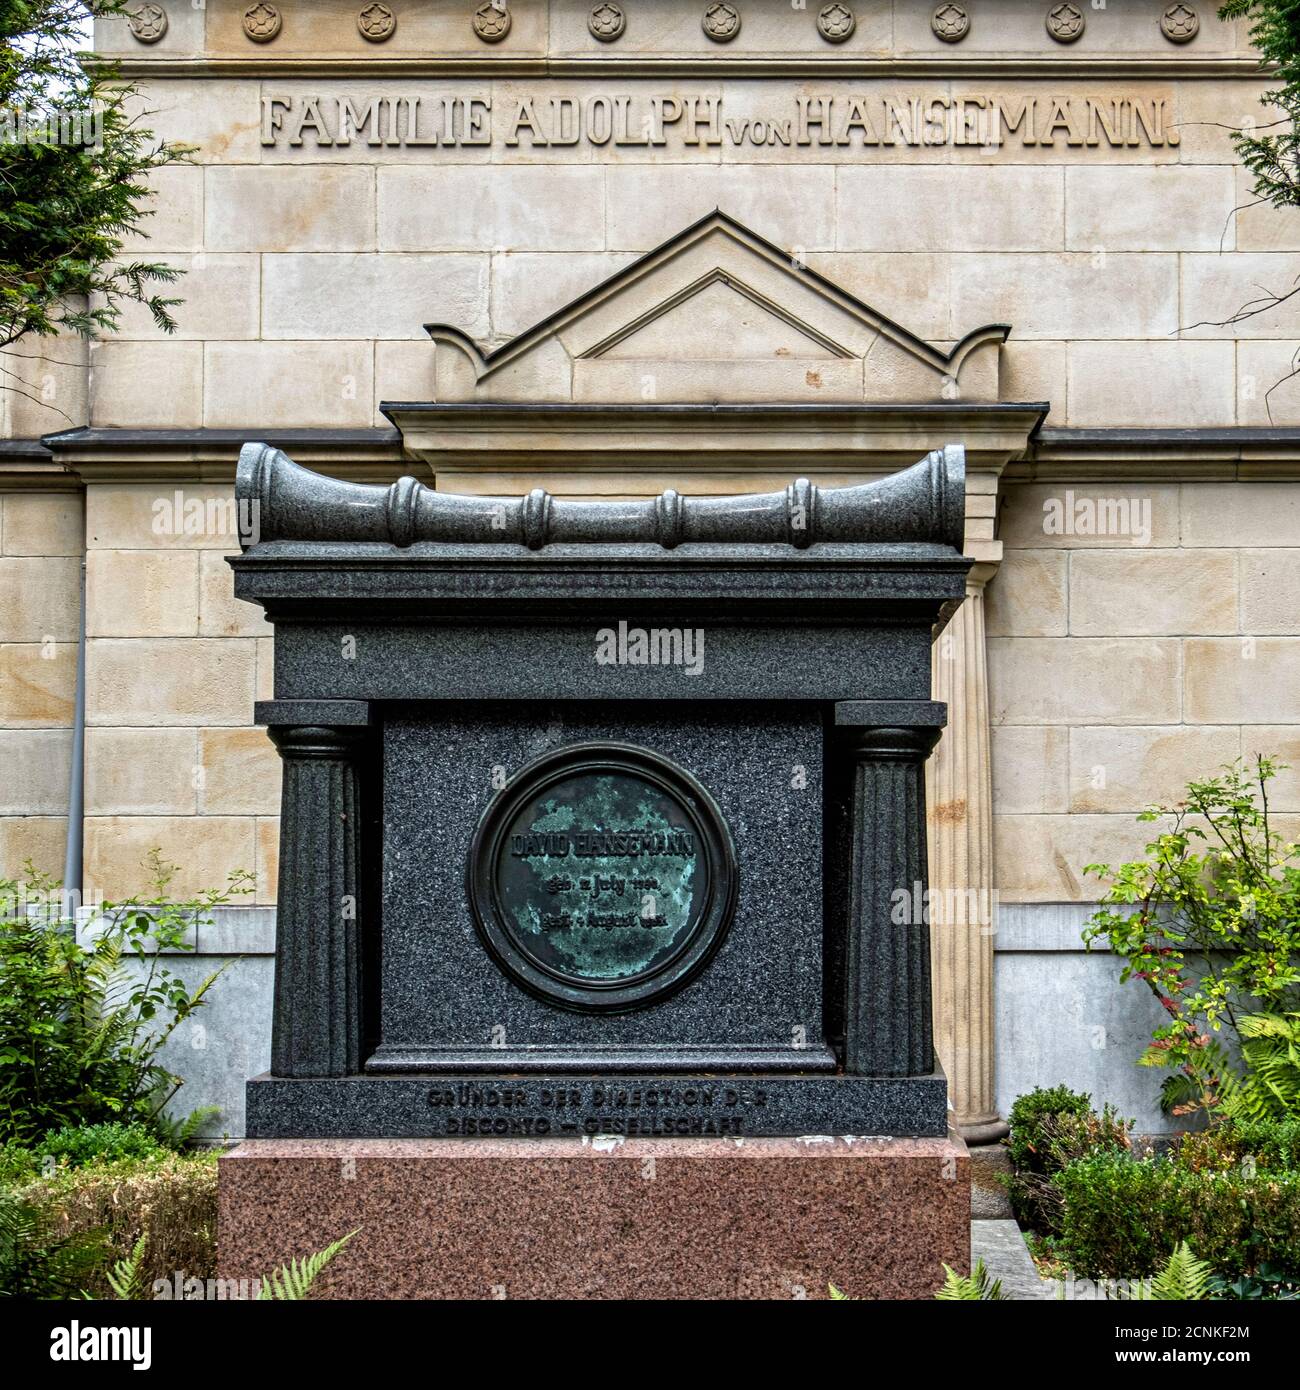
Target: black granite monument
(601,817)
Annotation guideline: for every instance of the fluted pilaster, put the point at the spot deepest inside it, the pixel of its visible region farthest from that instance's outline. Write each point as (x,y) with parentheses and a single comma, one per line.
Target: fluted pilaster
(887,1022)
(961,869)
(316,1024)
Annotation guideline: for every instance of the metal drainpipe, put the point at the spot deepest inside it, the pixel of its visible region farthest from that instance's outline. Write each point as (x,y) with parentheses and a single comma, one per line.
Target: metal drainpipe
(76,797)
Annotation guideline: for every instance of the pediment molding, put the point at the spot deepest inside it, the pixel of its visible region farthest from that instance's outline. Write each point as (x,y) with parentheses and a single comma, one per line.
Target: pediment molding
(732,281)
(573,354)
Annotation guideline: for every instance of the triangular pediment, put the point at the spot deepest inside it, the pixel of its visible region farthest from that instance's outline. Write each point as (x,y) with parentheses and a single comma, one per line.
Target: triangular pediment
(716,313)
(718,317)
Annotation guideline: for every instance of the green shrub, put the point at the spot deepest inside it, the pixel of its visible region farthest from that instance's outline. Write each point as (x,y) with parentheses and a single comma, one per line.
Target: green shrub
(79,1035)
(1267,1282)
(172,1197)
(1025,1140)
(1123,1217)
(18,1164)
(1263,1145)
(77,1145)
(1049,1128)
(1209,921)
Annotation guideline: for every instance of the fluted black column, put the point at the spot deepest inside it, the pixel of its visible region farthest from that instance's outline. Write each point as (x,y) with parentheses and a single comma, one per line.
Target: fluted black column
(316,1025)
(887,1020)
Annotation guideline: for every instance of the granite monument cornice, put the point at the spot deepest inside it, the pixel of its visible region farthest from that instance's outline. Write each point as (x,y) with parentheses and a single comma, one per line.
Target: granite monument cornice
(918,584)
(887,551)
(922,504)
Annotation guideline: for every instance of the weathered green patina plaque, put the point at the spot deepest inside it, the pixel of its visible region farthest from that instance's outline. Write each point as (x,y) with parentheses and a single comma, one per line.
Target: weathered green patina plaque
(602,877)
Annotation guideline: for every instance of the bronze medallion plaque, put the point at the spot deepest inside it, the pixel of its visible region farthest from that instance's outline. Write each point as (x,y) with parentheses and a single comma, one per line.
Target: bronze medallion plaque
(602,877)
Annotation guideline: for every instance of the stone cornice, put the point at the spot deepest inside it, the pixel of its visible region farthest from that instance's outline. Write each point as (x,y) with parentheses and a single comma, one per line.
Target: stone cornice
(940,66)
(1239,454)
(26,465)
(999,438)
(633,438)
(209,455)
(494,437)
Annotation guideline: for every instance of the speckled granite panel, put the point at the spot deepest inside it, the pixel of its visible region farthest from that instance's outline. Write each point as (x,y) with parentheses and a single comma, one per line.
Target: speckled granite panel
(763,989)
(603,1219)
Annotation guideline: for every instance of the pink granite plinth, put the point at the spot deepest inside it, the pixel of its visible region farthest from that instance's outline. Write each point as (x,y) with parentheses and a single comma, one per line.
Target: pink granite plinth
(636,1218)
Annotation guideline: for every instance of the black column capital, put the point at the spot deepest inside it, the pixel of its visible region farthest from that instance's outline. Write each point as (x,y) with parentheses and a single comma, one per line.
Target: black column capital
(902,745)
(305,741)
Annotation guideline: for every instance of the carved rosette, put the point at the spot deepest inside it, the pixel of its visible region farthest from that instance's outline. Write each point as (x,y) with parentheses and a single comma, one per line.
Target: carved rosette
(606,22)
(492,21)
(951,23)
(721,22)
(376,23)
(147,23)
(1180,23)
(262,22)
(1065,23)
(836,23)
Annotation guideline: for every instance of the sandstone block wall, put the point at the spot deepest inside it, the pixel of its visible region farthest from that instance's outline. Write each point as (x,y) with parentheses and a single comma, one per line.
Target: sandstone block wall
(41,538)
(1117,670)
(1125,664)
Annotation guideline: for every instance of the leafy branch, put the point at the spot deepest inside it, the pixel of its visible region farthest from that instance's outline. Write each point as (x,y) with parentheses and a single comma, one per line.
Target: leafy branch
(1210,923)
(68,207)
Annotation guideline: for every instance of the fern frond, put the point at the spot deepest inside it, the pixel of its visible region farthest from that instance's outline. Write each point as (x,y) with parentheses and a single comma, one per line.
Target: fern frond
(294,1280)
(194,1121)
(125,1278)
(37,1263)
(1184,1279)
(196,998)
(977,1286)
(1271,1050)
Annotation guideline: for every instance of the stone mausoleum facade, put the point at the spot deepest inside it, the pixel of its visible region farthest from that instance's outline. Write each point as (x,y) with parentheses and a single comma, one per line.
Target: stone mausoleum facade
(609,249)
